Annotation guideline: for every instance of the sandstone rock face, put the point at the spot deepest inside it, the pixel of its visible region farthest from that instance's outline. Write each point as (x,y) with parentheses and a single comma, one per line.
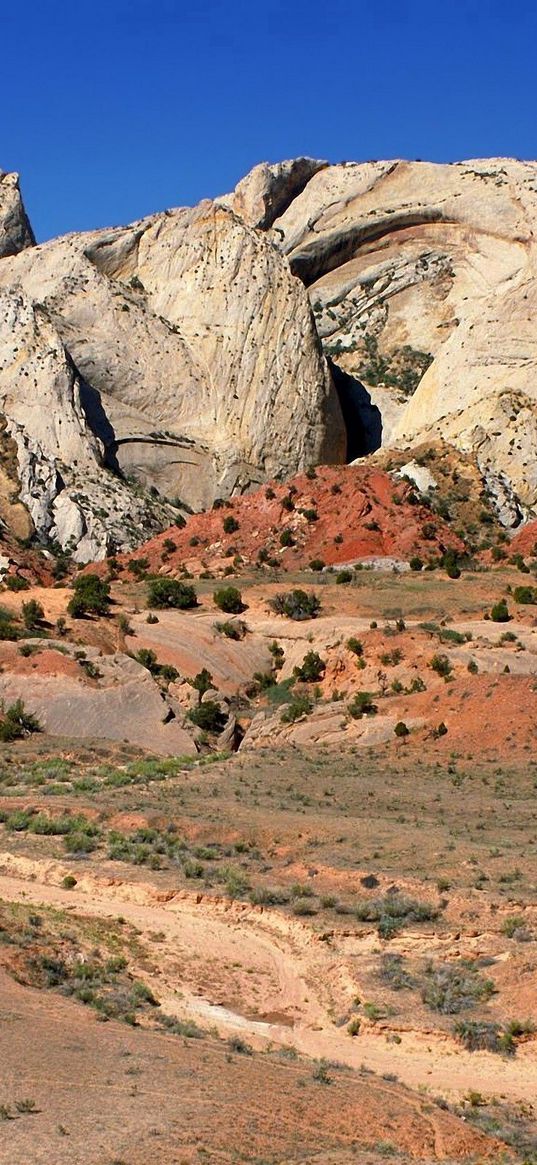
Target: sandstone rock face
(122,703)
(179,351)
(423,283)
(268,190)
(15,230)
(71,497)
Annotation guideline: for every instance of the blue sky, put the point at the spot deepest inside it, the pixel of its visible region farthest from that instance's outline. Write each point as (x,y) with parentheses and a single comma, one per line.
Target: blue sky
(112,109)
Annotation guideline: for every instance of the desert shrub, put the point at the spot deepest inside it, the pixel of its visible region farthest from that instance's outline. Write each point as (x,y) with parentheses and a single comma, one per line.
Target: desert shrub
(229,600)
(91,596)
(170,592)
(147,659)
(312,668)
(299,706)
(401,729)
(296,604)
(344,576)
(202,682)
(208,716)
(451,988)
(482,1035)
(138,567)
(499,612)
(391,658)
(450,565)
(17,722)
(286,538)
(310,514)
(32,614)
(361,705)
(356,646)
(304,908)
(169,546)
(13,582)
(393,972)
(525,595)
(231,630)
(230,524)
(441,665)
(394,911)
(237,1044)
(416,563)
(440,730)
(7,629)
(317,564)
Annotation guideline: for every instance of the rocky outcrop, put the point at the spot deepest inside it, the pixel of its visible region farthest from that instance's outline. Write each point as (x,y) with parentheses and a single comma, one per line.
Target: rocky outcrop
(15,230)
(71,497)
(269,189)
(112,698)
(423,283)
(184,356)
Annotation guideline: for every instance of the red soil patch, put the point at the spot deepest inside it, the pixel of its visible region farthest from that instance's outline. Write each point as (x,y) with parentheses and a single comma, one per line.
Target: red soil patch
(27,564)
(345,513)
(486,716)
(42,663)
(525,540)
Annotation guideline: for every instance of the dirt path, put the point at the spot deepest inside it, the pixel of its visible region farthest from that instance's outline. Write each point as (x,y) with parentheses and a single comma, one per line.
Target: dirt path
(254,971)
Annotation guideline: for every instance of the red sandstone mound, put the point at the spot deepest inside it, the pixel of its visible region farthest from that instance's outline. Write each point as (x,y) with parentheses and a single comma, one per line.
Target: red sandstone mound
(340,515)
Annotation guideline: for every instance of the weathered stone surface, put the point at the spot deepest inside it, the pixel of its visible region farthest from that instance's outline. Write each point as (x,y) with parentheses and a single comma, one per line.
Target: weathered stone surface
(15,230)
(72,498)
(122,703)
(423,282)
(266,192)
(197,365)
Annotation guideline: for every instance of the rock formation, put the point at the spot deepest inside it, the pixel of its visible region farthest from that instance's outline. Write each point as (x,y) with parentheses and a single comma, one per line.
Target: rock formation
(15,230)
(422,278)
(179,352)
(178,359)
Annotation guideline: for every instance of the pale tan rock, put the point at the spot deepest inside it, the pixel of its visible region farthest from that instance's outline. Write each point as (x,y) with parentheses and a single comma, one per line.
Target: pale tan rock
(15,230)
(439,260)
(200,369)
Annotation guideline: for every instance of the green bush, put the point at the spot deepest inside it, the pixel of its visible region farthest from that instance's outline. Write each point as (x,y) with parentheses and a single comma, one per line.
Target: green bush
(317,565)
(499,612)
(344,576)
(91,596)
(208,716)
(170,592)
(401,729)
(451,988)
(230,524)
(312,668)
(296,604)
(441,665)
(525,595)
(229,600)
(17,722)
(14,583)
(286,538)
(361,705)
(202,682)
(299,706)
(416,563)
(356,646)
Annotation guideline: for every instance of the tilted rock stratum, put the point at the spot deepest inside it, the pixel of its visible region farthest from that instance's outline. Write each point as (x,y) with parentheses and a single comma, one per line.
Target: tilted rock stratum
(422,278)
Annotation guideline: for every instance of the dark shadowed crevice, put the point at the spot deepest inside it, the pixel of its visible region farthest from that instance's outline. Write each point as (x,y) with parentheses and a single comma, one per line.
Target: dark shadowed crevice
(96,417)
(363,420)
